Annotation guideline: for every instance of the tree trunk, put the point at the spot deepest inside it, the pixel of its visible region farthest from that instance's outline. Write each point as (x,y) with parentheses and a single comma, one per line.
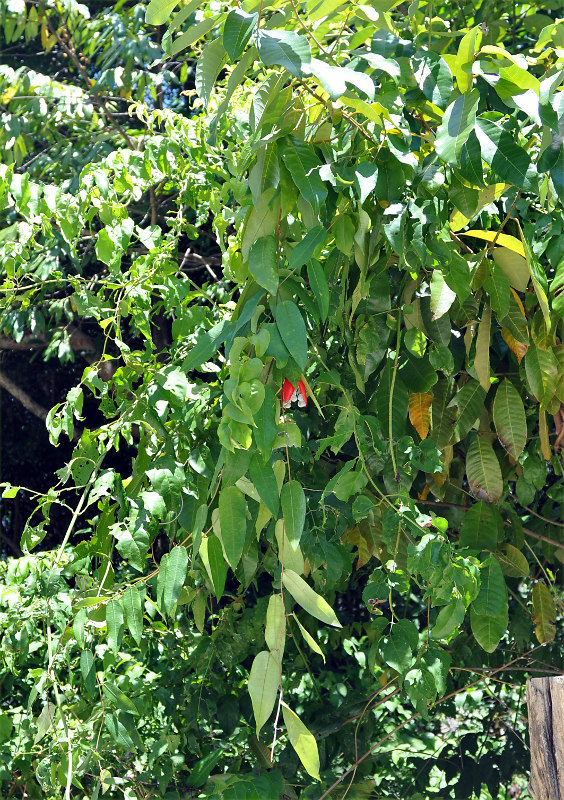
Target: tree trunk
(545,701)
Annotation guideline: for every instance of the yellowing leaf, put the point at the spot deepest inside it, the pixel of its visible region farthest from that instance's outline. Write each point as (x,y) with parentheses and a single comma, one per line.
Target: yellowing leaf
(420,412)
(543,434)
(544,613)
(516,347)
(309,600)
(502,239)
(355,537)
(302,740)
(514,266)
(264,680)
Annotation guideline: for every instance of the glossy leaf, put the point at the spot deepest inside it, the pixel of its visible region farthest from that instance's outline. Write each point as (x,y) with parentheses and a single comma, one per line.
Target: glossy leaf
(457,124)
(509,418)
(233,522)
(262,263)
(158,11)
(293,502)
(292,329)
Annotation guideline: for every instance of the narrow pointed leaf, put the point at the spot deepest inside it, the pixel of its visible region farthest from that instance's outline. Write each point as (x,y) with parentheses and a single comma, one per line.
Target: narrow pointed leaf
(483,471)
(264,681)
(309,600)
(132,605)
(292,499)
(114,621)
(509,418)
(292,329)
(233,522)
(303,741)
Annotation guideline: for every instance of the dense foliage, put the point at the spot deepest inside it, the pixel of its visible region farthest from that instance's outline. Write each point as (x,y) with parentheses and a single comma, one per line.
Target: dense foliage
(297,270)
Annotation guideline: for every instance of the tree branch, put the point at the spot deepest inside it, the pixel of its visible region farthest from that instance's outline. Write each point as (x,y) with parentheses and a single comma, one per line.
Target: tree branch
(19,394)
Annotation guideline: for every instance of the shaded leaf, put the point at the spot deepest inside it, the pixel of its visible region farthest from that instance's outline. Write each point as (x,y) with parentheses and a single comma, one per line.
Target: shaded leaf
(419,412)
(483,471)
(509,418)
(264,680)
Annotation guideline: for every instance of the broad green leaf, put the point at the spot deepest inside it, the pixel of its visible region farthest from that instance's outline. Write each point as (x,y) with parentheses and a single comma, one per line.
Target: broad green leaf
(509,418)
(262,476)
(114,621)
(442,296)
(88,672)
(512,561)
(433,76)
(208,343)
(481,527)
(498,288)
(336,79)
(208,67)
(482,357)
(264,681)
(286,49)
(171,577)
(233,522)
(237,32)
(508,160)
(194,33)
(309,600)
(78,627)
(303,165)
(541,368)
(492,597)
(293,502)
(488,631)
(291,326)
(262,221)
(462,64)
(304,250)
(514,267)
(303,741)
(293,558)
(158,11)
(538,277)
(265,431)
(456,126)
(201,772)
(275,629)
(470,402)
(121,733)
(309,639)
(319,287)
(132,605)
(483,471)
(262,263)
(119,699)
(544,613)
(448,620)
(211,553)
(397,649)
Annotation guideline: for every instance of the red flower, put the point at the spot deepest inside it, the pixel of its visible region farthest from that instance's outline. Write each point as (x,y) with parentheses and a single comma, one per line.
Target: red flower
(290,394)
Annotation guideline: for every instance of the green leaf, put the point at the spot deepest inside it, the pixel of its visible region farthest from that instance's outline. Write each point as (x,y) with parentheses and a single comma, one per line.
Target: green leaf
(304,250)
(233,522)
(88,672)
(118,699)
(544,613)
(266,431)
(237,32)
(492,597)
(201,772)
(309,639)
(171,577)
(275,629)
(208,67)
(309,600)
(442,296)
(194,33)
(509,418)
(158,11)
(119,732)
(262,475)
(498,287)
(114,621)
(448,620)
(303,741)
(433,77)
(264,681)
(262,220)
(488,631)
(262,263)
(513,266)
(512,561)
(335,79)
(397,651)
(291,327)
(481,527)
(216,563)
(508,160)
(319,287)
(456,126)
(470,401)
(541,369)
(292,499)
(303,165)
(208,343)
(284,48)
(132,605)
(483,471)
(45,720)
(78,627)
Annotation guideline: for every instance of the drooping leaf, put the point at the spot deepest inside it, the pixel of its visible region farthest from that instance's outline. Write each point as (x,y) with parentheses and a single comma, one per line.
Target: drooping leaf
(483,471)
(217,565)
(470,401)
(114,621)
(262,263)
(544,613)
(481,527)
(309,600)
(265,431)
(509,418)
(291,327)
(275,628)
(303,741)
(541,368)
(208,67)
(419,412)
(311,642)
(233,522)
(264,680)
(433,77)
(262,475)
(158,11)
(293,502)
(482,357)
(304,250)
(132,605)
(512,561)
(319,286)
